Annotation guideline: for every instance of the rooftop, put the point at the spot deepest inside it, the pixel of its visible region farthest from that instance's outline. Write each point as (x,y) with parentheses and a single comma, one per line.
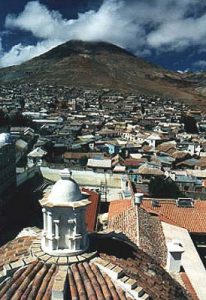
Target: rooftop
(131,274)
(191,218)
(191,261)
(139,227)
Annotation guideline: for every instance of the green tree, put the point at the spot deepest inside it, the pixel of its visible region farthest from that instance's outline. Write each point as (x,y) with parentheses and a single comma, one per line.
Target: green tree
(142,109)
(3,118)
(17,119)
(83,160)
(163,188)
(190,124)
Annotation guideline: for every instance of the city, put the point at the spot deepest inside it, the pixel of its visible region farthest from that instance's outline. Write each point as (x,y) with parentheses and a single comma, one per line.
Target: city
(134,155)
(102,150)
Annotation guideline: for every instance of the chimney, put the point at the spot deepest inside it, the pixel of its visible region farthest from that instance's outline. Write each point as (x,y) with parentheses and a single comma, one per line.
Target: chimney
(174,256)
(138,197)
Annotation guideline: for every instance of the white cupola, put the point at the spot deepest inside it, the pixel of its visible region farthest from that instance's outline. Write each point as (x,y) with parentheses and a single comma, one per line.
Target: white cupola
(64,209)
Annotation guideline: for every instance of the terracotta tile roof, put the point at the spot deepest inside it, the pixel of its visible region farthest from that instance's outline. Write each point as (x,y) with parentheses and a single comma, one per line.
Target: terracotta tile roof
(150,277)
(133,162)
(193,219)
(140,227)
(31,282)
(118,206)
(84,281)
(92,209)
(127,223)
(180,154)
(15,250)
(87,281)
(188,286)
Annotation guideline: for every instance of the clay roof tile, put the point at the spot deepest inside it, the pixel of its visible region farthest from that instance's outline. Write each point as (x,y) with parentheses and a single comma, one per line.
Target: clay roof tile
(193,219)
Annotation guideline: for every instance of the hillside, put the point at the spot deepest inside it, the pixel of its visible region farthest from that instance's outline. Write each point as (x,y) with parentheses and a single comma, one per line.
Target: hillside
(103,65)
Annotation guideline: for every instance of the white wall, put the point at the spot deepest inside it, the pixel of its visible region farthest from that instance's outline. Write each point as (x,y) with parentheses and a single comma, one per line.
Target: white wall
(85,178)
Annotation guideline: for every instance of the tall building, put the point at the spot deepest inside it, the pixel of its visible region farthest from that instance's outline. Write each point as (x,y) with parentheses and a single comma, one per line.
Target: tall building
(7,168)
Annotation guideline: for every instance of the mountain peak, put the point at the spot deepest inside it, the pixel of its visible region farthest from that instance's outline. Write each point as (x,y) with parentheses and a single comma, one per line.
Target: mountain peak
(83,47)
(98,65)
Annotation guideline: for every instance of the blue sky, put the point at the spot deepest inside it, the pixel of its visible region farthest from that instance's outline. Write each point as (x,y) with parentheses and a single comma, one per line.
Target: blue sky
(171,33)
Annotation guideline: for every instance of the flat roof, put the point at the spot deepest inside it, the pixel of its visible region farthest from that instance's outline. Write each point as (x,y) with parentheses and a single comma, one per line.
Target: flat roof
(191,261)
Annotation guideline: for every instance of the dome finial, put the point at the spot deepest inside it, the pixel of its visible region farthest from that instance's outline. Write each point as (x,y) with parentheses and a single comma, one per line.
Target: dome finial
(66,174)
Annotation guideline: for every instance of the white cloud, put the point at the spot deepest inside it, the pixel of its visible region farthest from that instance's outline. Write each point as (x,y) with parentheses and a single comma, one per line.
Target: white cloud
(1,48)
(200,64)
(136,25)
(179,34)
(20,53)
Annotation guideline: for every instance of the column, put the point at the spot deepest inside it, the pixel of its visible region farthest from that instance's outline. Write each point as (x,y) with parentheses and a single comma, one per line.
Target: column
(56,229)
(50,235)
(44,222)
(56,233)
(49,224)
(83,224)
(77,227)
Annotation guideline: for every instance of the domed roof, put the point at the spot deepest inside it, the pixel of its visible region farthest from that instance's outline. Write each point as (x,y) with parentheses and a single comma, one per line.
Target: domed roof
(65,190)
(84,276)
(5,138)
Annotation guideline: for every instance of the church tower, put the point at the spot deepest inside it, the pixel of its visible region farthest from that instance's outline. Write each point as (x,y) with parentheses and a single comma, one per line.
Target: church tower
(64,231)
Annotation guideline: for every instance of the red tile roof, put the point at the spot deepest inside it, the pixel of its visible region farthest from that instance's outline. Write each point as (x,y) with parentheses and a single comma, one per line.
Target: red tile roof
(15,250)
(31,282)
(188,286)
(84,281)
(152,278)
(116,207)
(139,226)
(193,219)
(126,222)
(132,162)
(87,281)
(92,209)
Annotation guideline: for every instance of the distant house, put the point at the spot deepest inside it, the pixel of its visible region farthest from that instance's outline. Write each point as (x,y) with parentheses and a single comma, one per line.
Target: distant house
(130,148)
(187,183)
(133,164)
(118,164)
(77,156)
(36,156)
(187,164)
(112,147)
(146,171)
(153,139)
(166,161)
(21,149)
(99,164)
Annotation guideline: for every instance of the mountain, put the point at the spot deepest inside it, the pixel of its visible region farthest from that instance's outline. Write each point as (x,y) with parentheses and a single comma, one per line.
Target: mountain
(104,65)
